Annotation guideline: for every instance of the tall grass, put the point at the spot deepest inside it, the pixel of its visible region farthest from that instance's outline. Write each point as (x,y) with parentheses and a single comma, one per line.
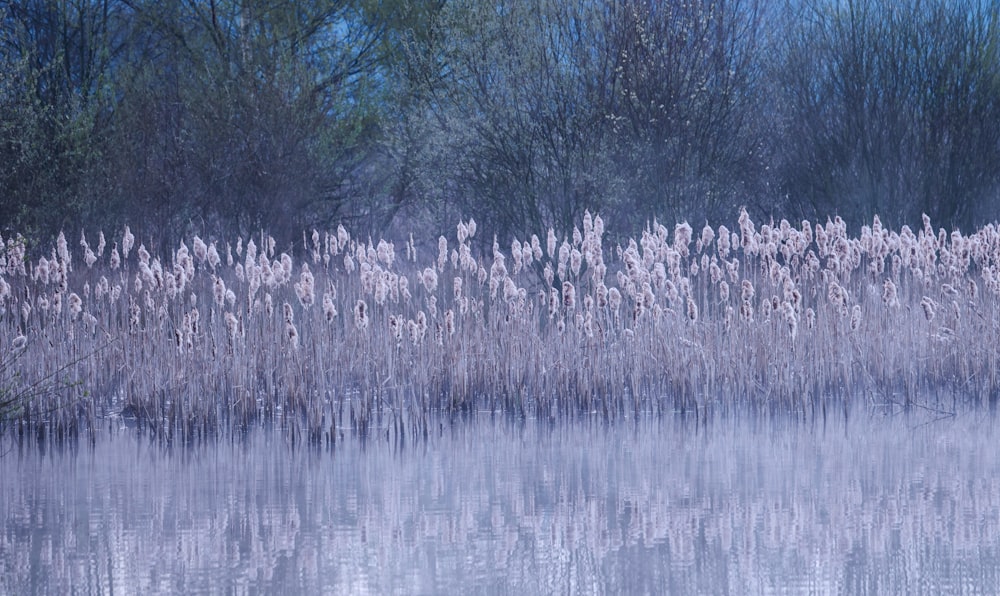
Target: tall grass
(343,330)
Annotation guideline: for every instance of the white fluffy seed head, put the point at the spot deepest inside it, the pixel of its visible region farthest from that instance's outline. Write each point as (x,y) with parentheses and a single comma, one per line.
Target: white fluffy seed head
(692,309)
(361,315)
(928,306)
(569,295)
(430,280)
(329,309)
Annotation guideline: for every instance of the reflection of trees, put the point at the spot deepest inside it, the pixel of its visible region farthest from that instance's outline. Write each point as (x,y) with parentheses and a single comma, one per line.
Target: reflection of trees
(515,508)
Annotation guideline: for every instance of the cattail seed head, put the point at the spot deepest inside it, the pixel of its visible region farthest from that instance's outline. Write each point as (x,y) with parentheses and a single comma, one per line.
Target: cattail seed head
(361,315)
(692,309)
(889,295)
(569,295)
(855,317)
(614,299)
(329,309)
(928,306)
(75,305)
(449,322)
(219,290)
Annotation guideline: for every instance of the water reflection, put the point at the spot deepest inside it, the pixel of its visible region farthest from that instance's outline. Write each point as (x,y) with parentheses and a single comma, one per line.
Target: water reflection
(884,504)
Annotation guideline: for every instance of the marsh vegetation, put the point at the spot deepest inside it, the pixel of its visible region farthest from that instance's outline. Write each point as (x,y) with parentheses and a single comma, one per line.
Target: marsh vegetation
(338,331)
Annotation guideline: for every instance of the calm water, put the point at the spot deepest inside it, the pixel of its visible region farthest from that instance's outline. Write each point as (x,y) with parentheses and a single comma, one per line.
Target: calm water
(873,505)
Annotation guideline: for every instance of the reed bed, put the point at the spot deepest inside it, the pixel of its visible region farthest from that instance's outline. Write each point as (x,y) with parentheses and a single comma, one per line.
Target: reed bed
(338,331)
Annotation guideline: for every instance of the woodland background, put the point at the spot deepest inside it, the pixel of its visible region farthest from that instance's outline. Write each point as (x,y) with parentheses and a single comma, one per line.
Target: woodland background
(401,116)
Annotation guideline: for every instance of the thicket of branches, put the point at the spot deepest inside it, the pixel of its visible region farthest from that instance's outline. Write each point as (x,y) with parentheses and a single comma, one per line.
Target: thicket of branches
(222,116)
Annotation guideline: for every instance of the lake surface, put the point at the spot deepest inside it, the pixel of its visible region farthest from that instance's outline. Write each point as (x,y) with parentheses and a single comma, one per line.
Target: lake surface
(871,504)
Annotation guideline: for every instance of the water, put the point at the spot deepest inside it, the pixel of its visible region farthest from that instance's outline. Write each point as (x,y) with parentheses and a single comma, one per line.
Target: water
(876,504)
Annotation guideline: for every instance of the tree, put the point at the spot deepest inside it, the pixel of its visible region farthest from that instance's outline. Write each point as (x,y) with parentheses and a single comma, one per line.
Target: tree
(891,109)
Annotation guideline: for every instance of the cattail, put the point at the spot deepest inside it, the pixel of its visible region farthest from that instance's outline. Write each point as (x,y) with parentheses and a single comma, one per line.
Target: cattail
(746,311)
(551,244)
(232,324)
(614,299)
(602,295)
(449,322)
(305,289)
(568,295)
(134,313)
(421,324)
(747,292)
(723,242)
(648,297)
(563,261)
(329,309)
(75,305)
(788,314)
(889,295)
(536,248)
(509,290)
(553,302)
(293,335)
(128,240)
(928,305)
(692,309)
(361,315)
(682,238)
(836,294)
(575,262)
(707,235)
(213,257)
(200,249)
(396,327)
(219,290)
(723,291)
(855,317)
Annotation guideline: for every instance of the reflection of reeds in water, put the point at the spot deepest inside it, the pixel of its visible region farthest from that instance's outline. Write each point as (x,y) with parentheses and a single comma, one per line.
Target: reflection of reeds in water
(784,316)
(881,504)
